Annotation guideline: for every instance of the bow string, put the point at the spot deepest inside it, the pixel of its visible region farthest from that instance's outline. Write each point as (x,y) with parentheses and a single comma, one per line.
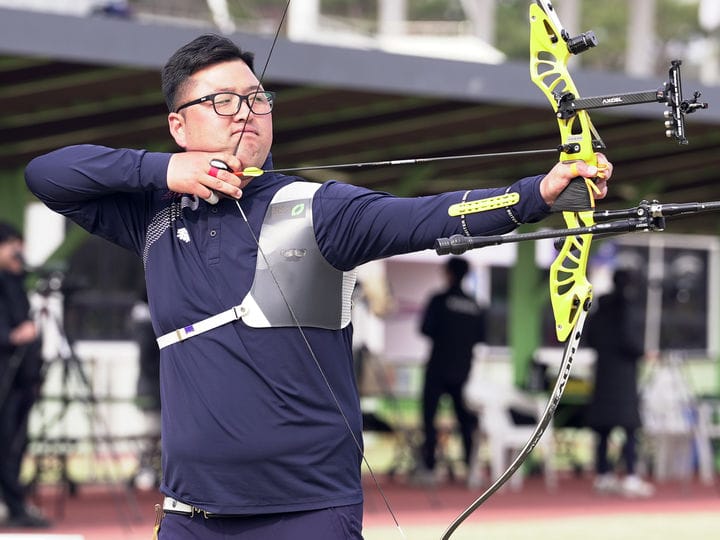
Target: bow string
(570,291)
(308,346)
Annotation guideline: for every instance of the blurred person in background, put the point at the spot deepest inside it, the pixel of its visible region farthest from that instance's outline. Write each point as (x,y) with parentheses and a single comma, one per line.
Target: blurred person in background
(615,330)
(454,322)
(261,421)
(147,393)
(20,378)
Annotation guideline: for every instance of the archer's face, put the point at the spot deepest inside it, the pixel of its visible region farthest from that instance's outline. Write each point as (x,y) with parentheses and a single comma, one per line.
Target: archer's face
(200,128)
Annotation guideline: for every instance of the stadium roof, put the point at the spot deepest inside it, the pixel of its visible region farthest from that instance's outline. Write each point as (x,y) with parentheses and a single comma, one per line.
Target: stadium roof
(68,80)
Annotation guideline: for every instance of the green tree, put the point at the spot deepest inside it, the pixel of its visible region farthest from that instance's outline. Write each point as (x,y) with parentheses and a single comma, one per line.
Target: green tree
(366,9)
(435,10)
(512,35)
(677,23)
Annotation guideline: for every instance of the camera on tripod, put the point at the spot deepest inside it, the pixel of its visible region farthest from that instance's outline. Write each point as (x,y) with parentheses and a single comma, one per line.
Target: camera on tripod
(51,281)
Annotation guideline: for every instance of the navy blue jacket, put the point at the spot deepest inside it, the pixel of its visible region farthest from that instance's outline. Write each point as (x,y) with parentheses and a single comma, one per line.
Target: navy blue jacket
(248,425)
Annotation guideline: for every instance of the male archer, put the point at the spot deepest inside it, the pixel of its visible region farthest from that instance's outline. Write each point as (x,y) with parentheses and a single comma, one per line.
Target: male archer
(250,297)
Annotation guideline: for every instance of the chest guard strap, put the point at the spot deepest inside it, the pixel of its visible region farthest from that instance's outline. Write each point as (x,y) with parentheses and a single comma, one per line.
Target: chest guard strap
(318,294)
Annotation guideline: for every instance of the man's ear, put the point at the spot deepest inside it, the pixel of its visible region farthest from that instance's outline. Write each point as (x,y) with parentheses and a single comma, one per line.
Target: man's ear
(176,123)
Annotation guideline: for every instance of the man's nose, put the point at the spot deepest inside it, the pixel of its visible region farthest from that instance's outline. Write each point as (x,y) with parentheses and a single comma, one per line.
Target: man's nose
(244,110)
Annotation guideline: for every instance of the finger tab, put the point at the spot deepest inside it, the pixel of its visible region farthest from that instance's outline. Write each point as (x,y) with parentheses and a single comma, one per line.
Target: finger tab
(219,164)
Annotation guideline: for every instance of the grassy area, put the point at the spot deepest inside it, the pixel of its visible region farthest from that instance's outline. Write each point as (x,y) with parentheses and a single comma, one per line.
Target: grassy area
(618,527)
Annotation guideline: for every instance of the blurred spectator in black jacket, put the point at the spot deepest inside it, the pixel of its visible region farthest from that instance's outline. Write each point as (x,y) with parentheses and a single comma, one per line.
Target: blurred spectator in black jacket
(455,323)
(20,377)
(615,330)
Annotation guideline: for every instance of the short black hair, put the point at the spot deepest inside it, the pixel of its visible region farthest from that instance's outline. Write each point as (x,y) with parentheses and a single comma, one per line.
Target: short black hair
(8,232)
(201,52)
(457,267)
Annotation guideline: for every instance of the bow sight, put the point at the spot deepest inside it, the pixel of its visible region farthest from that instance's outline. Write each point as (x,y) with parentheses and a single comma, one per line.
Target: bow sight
(669,93)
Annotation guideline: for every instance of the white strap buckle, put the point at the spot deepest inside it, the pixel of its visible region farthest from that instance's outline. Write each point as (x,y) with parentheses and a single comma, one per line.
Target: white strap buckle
(200,327)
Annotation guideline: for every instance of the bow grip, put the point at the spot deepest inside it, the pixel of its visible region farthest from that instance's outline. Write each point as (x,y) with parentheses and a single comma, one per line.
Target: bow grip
(576,197)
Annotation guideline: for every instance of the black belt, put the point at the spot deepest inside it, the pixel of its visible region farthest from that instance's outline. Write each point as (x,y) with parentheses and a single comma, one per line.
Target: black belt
(173,506)
(178,507)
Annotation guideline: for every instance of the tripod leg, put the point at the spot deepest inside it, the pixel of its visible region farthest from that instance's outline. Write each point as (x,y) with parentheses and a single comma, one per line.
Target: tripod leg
(90,402)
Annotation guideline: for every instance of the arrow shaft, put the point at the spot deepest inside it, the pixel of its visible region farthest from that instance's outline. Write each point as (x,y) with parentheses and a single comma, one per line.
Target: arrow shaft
(410,161)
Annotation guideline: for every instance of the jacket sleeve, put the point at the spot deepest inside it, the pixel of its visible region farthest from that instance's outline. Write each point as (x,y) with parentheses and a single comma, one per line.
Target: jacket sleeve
(106,191)
(354,225)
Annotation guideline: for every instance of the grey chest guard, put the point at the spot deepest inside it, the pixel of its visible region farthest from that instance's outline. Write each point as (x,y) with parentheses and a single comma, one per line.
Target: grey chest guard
(318,294)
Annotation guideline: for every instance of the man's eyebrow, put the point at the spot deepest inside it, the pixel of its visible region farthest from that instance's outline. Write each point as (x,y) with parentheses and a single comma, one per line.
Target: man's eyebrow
(254,88)
(245,90)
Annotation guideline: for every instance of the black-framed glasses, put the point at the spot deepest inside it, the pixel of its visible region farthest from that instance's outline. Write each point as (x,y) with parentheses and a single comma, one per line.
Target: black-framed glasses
(229,103)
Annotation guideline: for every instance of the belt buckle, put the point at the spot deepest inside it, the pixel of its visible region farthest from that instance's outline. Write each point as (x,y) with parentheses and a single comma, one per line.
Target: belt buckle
(193,509)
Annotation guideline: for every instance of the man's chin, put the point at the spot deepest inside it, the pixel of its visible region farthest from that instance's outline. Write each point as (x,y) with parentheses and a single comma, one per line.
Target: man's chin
(252,160)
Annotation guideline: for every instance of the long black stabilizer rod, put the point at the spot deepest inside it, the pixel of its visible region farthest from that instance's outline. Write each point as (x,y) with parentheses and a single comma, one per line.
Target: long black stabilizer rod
(655,209)
(647,216)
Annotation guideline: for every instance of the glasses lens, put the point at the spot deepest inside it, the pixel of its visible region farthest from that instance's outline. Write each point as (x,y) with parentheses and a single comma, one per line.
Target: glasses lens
(226,104)
(260,102)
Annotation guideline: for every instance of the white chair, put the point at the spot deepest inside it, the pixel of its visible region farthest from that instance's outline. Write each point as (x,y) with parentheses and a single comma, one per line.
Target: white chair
(676,426)
(708,429)
(502,437)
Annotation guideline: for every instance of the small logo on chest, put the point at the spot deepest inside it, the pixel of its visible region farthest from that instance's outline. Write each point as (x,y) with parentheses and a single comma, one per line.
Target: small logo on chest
(183,235)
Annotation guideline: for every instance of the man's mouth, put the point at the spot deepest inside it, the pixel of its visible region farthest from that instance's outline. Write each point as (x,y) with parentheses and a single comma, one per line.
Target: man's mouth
(245,132)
